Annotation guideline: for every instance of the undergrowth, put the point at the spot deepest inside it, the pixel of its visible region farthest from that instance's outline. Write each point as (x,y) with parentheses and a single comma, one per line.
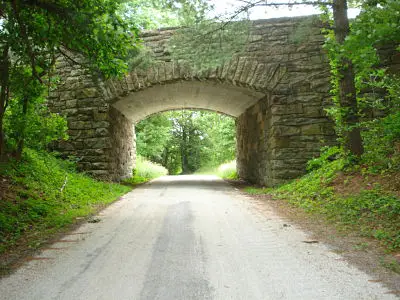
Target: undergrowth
(46,194)
(145,171)
(228,170)
(372,211)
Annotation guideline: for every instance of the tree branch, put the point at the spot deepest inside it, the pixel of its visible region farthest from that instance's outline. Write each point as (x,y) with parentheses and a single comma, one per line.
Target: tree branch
(24,34)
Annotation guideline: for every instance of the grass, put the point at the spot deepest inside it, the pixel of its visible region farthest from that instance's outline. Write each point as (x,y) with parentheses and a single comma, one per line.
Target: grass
(42,195)
(228,170)
(145,171)
(368,209)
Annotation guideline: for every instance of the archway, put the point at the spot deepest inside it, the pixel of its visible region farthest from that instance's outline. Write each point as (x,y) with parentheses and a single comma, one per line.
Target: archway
(276,89)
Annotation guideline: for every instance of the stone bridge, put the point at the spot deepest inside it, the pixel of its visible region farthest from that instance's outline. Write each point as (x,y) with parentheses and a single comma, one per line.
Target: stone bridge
(276,89)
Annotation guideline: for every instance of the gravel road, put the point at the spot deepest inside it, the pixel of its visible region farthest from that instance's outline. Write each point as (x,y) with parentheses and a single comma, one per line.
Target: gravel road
(188,237)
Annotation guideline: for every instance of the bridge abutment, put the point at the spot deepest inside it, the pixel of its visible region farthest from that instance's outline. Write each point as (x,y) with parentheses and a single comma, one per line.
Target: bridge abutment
(278,135)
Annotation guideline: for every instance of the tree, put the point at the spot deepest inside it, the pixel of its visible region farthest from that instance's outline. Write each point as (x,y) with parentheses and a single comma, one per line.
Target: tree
(213,54)
(152,137)
(185,141)
(34,33)
(347,88)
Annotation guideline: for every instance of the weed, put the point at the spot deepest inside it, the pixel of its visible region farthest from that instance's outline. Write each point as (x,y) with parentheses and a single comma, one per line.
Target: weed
(145,170)
(40,206)
(372,212)
(228,170)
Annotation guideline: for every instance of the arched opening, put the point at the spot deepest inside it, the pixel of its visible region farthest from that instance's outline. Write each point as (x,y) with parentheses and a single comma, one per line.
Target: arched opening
(178,105)
(186,141)
(187,94)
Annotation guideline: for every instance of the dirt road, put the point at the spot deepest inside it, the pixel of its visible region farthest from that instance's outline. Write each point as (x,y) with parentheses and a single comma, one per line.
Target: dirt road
(188,237)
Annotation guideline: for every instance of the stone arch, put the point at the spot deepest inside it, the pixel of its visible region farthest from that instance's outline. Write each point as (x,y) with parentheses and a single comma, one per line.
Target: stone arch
(276,89)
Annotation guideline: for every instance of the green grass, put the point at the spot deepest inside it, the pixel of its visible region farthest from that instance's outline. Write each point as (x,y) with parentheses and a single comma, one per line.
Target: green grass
(145,171)
(36,205)
(228,170)
(371,212)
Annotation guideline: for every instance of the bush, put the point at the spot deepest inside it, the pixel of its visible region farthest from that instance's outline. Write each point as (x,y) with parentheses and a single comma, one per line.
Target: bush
(373,212)
(228,170)
(146,170)
(382,144)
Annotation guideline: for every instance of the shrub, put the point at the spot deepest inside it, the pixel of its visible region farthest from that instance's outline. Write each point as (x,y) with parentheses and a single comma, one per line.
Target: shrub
(228,170)
(146,170)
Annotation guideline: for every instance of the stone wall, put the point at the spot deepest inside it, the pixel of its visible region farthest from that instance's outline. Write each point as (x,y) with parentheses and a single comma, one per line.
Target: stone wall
(276,139)
(100,137)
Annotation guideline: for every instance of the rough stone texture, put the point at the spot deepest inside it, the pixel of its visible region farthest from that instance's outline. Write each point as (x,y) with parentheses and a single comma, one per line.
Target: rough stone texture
(100,137)
(277,90)
(274,141)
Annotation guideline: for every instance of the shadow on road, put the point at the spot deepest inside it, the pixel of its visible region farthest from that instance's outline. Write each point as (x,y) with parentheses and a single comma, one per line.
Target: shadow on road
(188,181)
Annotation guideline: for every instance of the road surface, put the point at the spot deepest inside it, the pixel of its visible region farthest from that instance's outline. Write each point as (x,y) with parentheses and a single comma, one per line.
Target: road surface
(188,237)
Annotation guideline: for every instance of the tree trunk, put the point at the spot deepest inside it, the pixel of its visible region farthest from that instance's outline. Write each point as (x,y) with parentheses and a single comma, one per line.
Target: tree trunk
(20,142)
(347,89)
(184,155)
(4,94)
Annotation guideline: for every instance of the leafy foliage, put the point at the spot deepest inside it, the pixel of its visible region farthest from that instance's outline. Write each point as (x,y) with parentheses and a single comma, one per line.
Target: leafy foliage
(33,34)
(186,141)
(164,13)
(145,170)
(228,170)
(37,126)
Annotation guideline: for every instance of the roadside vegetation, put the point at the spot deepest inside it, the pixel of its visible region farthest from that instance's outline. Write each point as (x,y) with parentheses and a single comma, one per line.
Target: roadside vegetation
(145,171)
(40,195)
(228,170)
(355,184)
(187,141)
(359,190)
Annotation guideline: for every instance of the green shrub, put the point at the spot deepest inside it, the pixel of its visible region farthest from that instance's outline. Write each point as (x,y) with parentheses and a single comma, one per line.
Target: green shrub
(327,154)
(146,170)
(374,212)
(228,170)
(380,142)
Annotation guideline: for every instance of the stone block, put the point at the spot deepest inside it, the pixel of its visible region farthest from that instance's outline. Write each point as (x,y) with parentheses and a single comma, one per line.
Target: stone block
(278,142)
(311,129)
(281,130)
(90,92)
(87,133)
(78,145)
(101,124)
(80,125)
(100,165)
(71,103)
(287,109)
(97,143)
(102,132)
(313,111)
(100,116)
(287,174)
(67,95)
(86,103)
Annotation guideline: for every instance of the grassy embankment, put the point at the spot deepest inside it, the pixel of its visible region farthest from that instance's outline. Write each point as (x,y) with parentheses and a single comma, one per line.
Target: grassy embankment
(351,199)
(41,196)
